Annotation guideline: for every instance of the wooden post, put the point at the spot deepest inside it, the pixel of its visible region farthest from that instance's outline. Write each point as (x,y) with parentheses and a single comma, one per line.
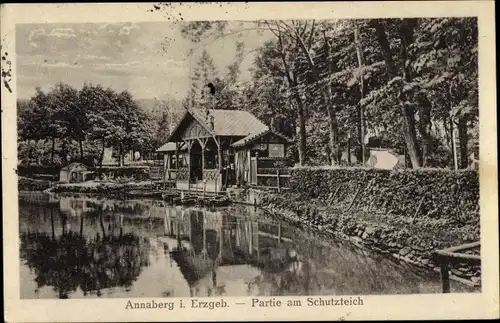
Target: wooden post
(256,168)
(219,158)
(445,275)
(189,166)
(279,233)
(167,160)
(219,155)
(202,161)
(203,144)
(278,179)
(176,160)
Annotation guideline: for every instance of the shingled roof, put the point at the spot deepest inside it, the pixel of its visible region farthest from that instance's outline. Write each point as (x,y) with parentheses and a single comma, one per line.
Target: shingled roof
(226,122)
(253,136)
(170,146)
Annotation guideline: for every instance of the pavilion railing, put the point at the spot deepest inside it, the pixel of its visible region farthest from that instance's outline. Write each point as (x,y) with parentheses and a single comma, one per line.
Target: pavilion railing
(274,178)
(446,257)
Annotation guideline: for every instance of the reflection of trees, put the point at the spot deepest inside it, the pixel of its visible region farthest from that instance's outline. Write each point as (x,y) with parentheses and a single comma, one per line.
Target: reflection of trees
(72,260)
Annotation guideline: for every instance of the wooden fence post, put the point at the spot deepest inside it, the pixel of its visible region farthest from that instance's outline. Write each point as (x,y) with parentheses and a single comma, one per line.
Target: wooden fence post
(278,179)
(445,275)
(204,186)
(256,168)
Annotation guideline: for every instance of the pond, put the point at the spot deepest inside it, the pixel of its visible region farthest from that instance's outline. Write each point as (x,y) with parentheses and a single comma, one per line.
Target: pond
(79,247)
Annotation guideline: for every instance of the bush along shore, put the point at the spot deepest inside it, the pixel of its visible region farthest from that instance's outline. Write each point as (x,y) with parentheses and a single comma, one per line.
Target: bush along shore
(110,189)
(408,214)
(30,184)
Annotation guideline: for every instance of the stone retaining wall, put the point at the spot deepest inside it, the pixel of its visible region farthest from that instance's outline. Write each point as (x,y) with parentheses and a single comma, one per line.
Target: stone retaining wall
(395,241)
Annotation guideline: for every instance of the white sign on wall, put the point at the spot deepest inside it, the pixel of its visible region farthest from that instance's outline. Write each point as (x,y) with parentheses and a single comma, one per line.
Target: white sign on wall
(276,150)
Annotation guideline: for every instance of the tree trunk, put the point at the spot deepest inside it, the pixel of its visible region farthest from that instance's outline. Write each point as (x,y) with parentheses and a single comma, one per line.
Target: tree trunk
(333,128)
(406,36)
(407,113)
(463,139)
(102,153)
(410,135)
(453,144)
(120,158)
(53,149)
(424,126)
(292,83)
(361,64)
(81,148)
(302,130)
(63,153)
(386,49)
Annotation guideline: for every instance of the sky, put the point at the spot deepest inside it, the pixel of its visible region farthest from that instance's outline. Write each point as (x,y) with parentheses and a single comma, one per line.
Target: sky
(123,56)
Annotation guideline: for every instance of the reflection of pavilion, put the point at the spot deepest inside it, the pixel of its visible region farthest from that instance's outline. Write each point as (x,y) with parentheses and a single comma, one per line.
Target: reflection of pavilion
(223,250)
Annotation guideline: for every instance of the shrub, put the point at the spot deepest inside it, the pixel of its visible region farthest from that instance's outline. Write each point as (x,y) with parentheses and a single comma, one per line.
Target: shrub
(28,184)
(37,170)
(133,173)
(440,192)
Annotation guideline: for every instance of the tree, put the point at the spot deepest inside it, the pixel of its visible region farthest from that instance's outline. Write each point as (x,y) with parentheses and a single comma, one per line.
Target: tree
(48,115)
(204,72)
(101,111)
(446,70)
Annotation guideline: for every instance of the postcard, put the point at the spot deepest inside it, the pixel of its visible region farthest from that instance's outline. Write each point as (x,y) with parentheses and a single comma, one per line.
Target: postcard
(249,161)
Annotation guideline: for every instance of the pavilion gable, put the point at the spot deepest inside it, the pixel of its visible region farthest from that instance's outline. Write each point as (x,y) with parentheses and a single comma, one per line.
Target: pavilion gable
(190,128)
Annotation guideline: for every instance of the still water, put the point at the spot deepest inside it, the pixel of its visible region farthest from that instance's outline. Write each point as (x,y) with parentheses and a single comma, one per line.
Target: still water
(78,247)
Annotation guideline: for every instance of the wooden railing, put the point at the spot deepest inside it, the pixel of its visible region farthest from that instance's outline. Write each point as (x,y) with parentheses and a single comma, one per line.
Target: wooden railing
(448,256)
(156,173)
(275,178)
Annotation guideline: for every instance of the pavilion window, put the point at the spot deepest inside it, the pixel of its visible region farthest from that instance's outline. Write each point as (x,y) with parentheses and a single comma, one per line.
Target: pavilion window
(210,160)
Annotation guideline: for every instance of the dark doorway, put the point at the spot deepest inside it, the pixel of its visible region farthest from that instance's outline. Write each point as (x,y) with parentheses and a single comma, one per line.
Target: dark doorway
(196,163)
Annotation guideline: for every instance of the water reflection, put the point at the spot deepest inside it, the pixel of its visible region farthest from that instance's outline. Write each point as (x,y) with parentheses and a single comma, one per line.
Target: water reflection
(89,247)
(91,262)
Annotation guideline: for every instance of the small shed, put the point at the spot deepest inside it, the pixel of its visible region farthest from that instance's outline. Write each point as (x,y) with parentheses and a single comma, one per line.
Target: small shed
(74,173)
(261,149)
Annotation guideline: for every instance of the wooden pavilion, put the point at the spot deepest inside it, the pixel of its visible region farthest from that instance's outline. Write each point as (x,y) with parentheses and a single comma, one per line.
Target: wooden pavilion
(211,149)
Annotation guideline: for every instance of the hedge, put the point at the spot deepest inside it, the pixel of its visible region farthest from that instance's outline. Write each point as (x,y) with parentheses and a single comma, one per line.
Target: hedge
(434,193)
(34,170)
(28,184)
(136,173)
